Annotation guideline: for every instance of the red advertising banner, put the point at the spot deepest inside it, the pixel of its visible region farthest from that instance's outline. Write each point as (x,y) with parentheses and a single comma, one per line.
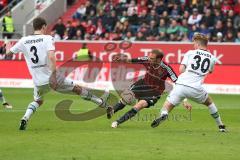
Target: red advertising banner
(18,69)
(224,79)
(227,54)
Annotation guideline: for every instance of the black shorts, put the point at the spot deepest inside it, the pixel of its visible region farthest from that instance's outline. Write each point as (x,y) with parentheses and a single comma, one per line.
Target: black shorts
(145,92)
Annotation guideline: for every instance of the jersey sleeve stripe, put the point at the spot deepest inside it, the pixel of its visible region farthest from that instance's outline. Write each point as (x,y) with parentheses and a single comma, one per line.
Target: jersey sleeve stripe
(170,71)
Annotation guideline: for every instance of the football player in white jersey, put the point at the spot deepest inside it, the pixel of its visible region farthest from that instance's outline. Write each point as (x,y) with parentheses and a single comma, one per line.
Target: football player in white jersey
(38,50)
(194,67)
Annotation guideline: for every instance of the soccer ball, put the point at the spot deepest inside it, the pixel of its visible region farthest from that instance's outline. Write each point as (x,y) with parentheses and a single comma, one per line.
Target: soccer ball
(128,97)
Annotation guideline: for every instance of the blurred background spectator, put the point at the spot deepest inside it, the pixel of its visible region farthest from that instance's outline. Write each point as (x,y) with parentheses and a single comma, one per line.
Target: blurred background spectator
(151,20)
(237,39)
(7,26)
(6,5)
(195,18)
(3,3)
(156,20)
(59,28)
(84,53)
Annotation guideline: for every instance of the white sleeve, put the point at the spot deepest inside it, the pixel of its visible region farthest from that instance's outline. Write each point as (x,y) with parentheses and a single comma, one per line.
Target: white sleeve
(185,58)
(50,44)
(18,47)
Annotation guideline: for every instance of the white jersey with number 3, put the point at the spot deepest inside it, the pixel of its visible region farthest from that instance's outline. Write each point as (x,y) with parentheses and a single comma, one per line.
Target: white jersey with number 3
(198,64)
(35,49)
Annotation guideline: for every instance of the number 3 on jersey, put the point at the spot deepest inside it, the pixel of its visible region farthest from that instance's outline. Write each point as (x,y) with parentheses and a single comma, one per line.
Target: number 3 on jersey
(33,49)
(204,64)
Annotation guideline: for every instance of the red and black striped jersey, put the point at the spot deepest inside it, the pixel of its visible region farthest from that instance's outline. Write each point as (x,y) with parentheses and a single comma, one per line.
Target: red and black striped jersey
(156,75)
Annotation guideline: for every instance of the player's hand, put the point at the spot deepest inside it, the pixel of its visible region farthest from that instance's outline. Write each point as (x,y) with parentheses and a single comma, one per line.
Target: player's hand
(8,46)
(120,58)
(53,81)
(187,105)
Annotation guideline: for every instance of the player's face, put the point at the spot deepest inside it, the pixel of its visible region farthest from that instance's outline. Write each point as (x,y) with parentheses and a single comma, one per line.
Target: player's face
(153,58)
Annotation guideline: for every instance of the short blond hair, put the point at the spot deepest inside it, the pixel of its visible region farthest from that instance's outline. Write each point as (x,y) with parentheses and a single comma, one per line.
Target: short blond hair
(200,38)
(158,52)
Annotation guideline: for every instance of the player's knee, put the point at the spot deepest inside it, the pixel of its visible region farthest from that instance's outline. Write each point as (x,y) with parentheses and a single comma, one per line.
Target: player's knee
(168,105)
(141,104)
(77,89)
(208,101)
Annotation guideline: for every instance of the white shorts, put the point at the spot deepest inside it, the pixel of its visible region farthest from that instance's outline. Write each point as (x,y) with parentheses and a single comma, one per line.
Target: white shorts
(65,87)
(180,92)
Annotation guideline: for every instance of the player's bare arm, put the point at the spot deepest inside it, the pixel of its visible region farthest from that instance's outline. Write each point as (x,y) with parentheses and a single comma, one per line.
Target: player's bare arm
(182,68)
(9,45)
(124,58)
(53,80)
(187,105)
(173,77)
(52,59)
(185,102)
(120,58)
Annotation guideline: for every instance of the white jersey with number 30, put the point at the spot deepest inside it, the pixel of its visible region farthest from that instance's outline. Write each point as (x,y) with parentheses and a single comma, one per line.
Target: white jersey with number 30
(35,49)
(198,64)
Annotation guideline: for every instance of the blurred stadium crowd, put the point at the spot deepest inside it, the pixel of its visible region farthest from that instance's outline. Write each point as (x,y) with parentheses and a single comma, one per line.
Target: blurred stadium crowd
(152,20)
(5,3)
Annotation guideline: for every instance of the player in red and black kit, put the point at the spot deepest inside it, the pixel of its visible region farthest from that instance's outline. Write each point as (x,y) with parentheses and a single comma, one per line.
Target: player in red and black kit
(149,89)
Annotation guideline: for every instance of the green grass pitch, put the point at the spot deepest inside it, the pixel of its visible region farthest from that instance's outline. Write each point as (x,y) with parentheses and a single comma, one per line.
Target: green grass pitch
(184,136)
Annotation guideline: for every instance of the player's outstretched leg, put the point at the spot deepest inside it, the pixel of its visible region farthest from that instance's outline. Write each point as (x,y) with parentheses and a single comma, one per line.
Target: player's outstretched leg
(4,102)
(100,101)
(117,107)
(131,113)
(128,115)
(214,113)
(167,107)
(32,107)
(87,95)
(104,99)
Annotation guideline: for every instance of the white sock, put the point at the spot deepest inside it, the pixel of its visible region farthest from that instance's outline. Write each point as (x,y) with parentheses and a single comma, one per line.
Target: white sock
(164,111)
(85,94)
(96,100)
(32,107)
(214,113)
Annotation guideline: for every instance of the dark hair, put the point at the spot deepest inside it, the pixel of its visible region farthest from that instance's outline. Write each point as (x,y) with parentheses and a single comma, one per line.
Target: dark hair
(38,23)
(158,52)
